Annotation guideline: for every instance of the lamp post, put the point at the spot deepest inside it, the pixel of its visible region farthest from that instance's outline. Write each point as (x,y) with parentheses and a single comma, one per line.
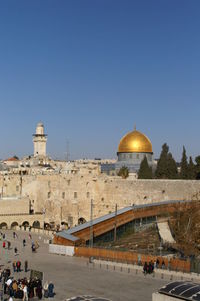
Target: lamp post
(43,211)
(115,224)
(91,224)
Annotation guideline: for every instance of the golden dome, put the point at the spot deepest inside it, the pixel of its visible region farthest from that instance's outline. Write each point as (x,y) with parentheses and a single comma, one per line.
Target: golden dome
(135,142)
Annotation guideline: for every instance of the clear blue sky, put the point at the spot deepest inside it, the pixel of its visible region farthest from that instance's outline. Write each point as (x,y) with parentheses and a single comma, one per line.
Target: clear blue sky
(90,70)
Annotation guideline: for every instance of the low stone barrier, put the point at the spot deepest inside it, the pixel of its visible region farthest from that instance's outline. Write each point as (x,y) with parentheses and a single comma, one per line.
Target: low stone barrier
(62,250)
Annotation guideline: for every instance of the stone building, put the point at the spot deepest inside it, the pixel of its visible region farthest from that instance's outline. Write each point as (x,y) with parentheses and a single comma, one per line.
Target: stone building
(39,141)
(42,191)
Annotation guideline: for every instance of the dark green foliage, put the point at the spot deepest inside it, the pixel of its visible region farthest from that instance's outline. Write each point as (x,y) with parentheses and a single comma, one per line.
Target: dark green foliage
(184,166)
(161,170)
(197,168)
(172,172)
(145,171)
(166,167)
(191,170)
(123,172)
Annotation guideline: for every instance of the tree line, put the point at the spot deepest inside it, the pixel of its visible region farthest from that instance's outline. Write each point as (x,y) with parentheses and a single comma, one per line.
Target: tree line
(167,168)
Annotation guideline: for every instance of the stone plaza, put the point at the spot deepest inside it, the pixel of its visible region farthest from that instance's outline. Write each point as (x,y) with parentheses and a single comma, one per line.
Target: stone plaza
(75,276)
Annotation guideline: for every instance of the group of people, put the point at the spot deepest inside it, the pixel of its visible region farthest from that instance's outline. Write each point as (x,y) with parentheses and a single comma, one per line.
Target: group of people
(22,288)
(148,268)
(26,288)
(17,266)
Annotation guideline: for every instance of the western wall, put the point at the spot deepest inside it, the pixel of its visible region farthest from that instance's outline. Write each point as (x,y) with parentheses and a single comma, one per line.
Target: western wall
(56,198)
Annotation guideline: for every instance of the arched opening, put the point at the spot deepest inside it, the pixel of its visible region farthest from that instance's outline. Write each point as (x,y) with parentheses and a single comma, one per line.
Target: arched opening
(3,226)
(14,225)
(25,225)
(81,220)
(36,224)
(64,225)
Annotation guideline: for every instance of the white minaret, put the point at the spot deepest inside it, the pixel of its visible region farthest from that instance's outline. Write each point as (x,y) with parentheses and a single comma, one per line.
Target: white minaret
(39,141)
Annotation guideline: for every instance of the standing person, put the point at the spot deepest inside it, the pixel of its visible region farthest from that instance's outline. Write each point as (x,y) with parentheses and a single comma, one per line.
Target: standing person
(26,266)
(4,244)
(15,251)
(24,242)
(25,290)
(9,244)
(30,237)
(50,290)
(45,287)
(14,266)
(18,266)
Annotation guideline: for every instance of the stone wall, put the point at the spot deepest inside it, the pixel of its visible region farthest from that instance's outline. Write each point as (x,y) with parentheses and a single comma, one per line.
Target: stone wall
(67,197)
(14,206)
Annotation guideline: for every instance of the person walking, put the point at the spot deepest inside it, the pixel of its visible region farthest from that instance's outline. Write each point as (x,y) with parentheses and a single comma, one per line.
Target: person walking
(26,266)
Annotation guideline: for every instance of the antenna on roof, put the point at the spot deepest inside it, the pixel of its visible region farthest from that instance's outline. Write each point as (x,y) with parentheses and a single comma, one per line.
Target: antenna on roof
(67,150)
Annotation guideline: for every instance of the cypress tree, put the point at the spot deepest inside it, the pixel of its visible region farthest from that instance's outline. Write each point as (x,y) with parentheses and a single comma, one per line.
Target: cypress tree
(184,165)
(172,172)
(145,171)
(197,168)
(161,170)
(191,169)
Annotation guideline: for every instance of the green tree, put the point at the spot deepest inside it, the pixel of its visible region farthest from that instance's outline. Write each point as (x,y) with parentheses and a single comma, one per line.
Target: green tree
(123,172)
(161,170)
(191,170)
(166,167)
(145,171)
(197,168)
(171,172)
(184,165)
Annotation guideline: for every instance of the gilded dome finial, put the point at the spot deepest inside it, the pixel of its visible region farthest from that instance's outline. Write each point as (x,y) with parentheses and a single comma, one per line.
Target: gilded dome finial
(134,127)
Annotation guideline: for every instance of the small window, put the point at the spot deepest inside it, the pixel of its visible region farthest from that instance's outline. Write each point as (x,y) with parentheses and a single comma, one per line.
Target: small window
(63,195)
(137,156)
(68,182)
(88,194)
(75,195)
(130,156)
(17,188)
(49,194)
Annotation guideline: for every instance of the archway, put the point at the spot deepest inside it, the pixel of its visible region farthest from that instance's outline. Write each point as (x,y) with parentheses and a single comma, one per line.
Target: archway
(3,226)
(25,225)
(14,225)
(81,220)
(64,225)
(36,224)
